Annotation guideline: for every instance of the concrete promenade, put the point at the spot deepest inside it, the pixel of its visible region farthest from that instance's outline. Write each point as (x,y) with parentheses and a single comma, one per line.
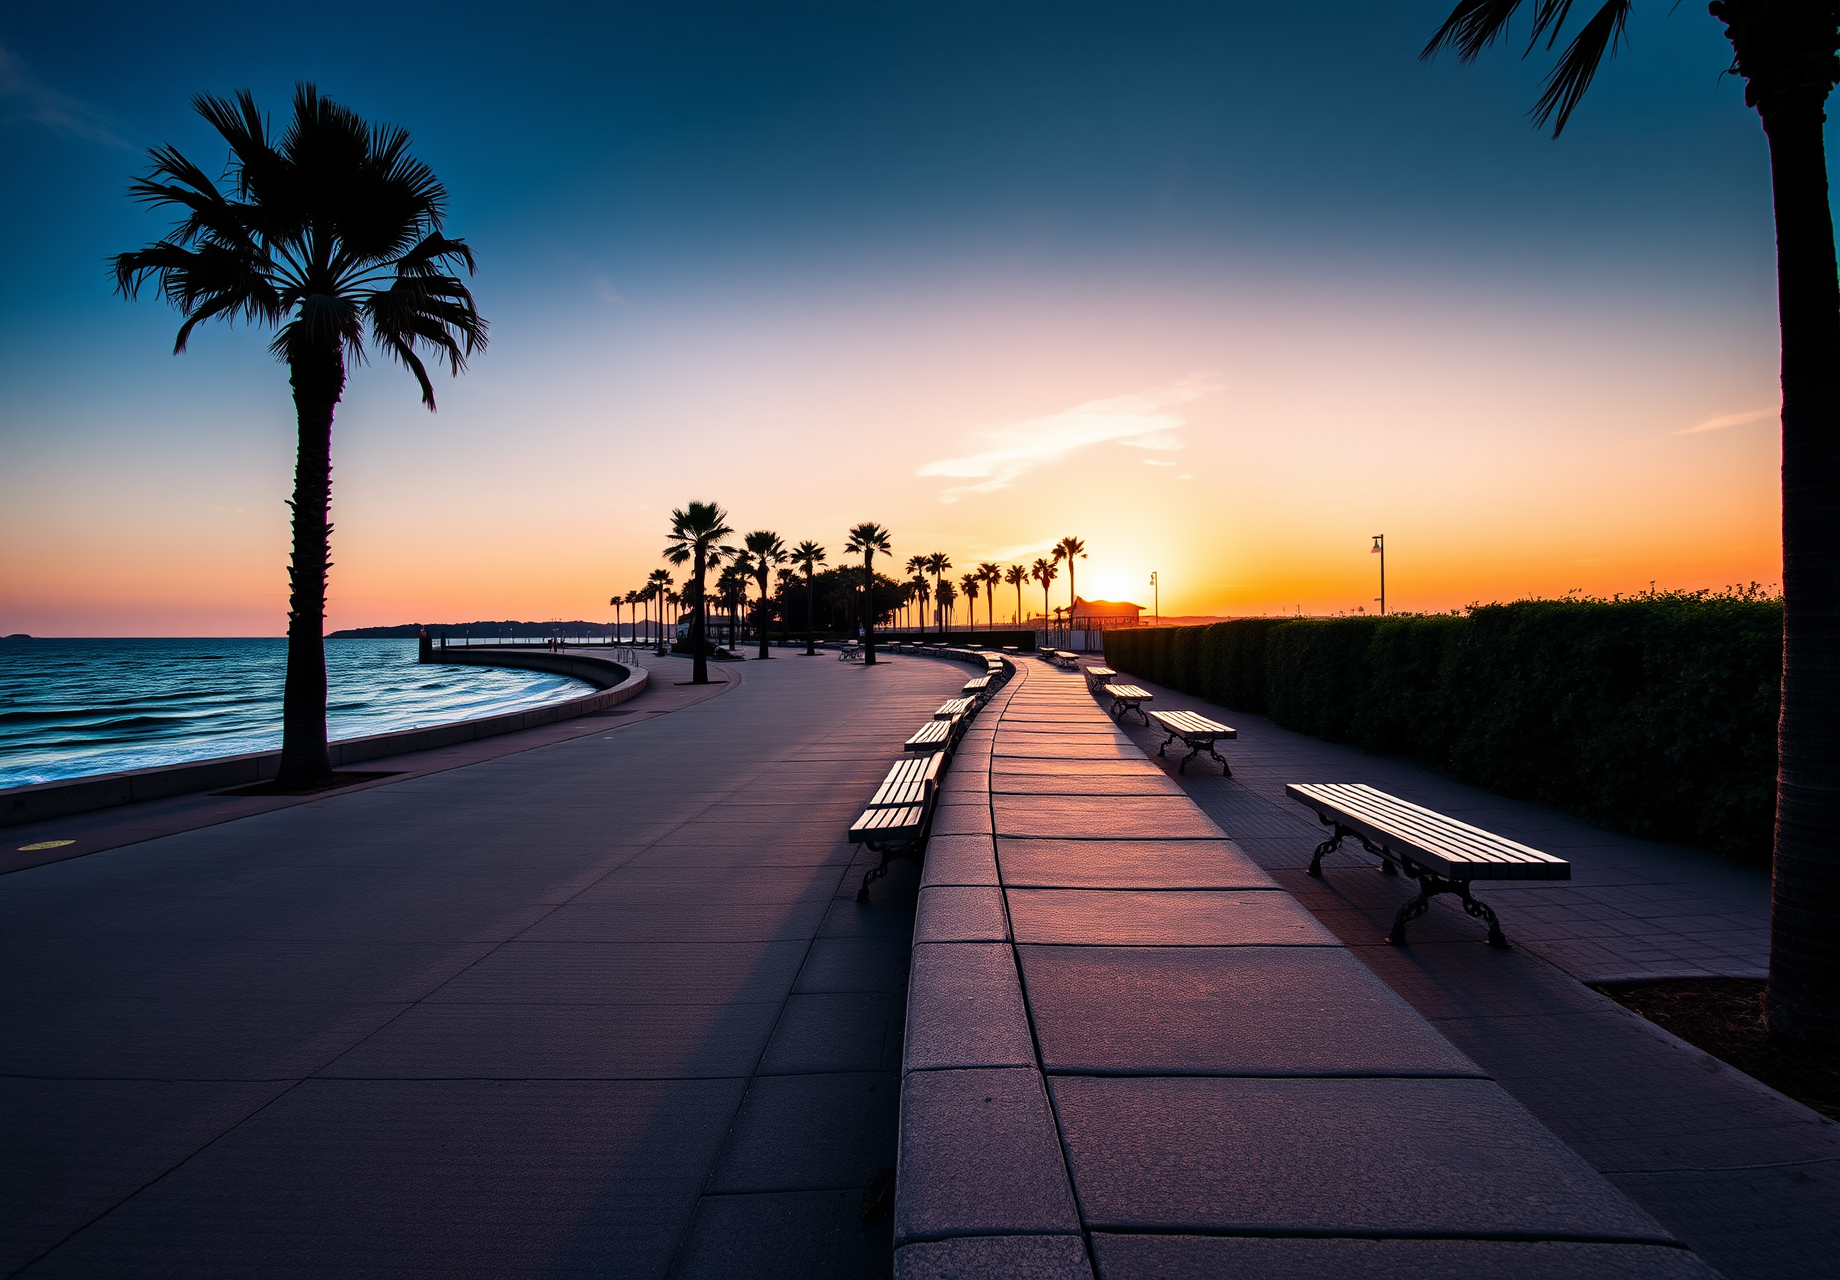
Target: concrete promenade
(603,1007)
(1129,1053)
(1747,1177)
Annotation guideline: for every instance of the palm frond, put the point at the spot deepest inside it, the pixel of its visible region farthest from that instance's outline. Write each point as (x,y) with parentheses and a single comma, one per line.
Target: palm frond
(1472,26)
(1569,80)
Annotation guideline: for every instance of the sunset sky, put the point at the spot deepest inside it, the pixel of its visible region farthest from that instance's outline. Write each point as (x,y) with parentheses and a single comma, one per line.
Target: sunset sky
(1224,289)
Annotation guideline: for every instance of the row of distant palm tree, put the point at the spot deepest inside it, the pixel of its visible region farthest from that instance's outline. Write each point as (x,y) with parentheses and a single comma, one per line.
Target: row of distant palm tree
(985,578)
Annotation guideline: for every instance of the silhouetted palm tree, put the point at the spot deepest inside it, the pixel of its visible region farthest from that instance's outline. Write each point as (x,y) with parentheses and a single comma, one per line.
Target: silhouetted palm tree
(990,575)
(616,602)
(936,564)
(767,550)
(731,590)
(868,539)
(1016,575)
(1786,53)
(969,583)
(808,555)
(1044,572)
(695,538)
(1070,549)
(659,581)
(331,232)
(916,567)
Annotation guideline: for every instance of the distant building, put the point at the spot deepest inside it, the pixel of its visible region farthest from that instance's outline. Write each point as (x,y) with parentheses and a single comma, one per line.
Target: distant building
(1099,614)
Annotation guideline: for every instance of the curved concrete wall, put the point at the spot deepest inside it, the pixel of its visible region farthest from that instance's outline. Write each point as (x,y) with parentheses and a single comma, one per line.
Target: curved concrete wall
(615,684)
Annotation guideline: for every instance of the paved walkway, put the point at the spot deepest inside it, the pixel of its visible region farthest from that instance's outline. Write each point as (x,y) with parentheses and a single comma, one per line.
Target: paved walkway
(1130,1053)
(1748,1178)
(604,1007)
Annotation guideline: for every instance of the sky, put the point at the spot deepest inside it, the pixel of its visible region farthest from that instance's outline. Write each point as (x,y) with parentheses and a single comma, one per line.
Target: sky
(1223,289)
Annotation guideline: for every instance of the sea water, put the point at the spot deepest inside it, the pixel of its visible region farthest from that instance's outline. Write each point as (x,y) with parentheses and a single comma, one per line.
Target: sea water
(69,708)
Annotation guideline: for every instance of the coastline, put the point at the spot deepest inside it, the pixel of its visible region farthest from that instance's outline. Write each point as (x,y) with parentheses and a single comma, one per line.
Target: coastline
(616,683)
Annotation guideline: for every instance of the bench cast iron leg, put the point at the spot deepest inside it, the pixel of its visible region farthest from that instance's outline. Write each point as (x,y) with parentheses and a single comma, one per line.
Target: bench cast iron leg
(1429,886)
(874,873)
(1166,741)
(1226,770)
(1327,847)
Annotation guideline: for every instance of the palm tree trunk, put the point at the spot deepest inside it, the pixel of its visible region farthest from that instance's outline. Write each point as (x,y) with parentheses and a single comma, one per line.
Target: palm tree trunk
(1804,991)
(811,615)
(868,608)
(699,666)
(761,616)
(318,379)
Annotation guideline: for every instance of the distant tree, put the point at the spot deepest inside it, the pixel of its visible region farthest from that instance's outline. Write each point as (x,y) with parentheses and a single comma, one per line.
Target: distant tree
(1016,575)
(330,232)
(945,593)
(936,564)
(695,538)
(867,539)
(1786,54)
(616,602)
(969,583)
(783,580)
(767,551)
(1070,549)
(658,582)
(990,575)
(731,591)
(916,569)
(808,555)
(1044,572)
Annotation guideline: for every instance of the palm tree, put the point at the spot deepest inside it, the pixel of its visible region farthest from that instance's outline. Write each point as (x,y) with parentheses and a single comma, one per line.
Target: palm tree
(329,233)
(970,582)
(660,587)
(1070,549)
(767,550)
(945,593)
(916,566)
(1044,572)
(616,602)
(1786,55)
(869,539)
(731,592)
(696,533)
(990,575)
(808,555)
(936,564)
(1016,575)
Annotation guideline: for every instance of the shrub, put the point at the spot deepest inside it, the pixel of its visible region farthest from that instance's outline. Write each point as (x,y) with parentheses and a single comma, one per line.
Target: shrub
(1654,715)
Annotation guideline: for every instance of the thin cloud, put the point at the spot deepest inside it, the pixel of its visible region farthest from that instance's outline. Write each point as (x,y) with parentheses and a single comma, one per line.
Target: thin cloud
(1732,420)
(1142,420)
(58,112)
(1153,462)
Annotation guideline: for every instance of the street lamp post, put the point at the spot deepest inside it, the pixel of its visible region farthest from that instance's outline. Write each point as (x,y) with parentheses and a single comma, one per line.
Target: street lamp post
(1380,550)
(1156,601)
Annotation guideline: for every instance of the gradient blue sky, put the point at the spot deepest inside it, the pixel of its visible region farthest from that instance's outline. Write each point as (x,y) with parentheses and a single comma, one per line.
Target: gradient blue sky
(835,262)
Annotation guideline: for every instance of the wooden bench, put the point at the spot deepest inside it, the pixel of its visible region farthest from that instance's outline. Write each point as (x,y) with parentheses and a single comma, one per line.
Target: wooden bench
(934,735)
(1066,659)
(1096,676)
(1198,734)
(1127,698)
(979,687)
(851,652)
(953,708)
(1442,854)
(895,821)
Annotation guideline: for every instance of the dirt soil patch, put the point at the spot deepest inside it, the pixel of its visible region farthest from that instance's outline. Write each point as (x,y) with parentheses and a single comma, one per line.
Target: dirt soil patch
(1724,1017)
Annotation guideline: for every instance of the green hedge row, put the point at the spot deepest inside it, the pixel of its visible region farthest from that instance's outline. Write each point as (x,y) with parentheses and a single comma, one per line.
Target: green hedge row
(1655,716)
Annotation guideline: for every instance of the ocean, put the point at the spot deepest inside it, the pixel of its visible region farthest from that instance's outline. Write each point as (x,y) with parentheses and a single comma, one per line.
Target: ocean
(70,708)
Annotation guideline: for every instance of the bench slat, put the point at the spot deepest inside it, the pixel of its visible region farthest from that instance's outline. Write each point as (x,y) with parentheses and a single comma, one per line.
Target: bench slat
(1413,821)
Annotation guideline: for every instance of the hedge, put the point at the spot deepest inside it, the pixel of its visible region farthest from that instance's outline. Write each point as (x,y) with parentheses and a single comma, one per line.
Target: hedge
(1655,716)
